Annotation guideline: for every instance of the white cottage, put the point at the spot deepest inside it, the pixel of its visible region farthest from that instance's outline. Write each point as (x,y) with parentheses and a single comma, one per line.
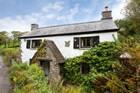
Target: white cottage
(71,39)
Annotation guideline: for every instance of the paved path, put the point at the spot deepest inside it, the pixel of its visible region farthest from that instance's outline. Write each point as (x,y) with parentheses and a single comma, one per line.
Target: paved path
(4,81)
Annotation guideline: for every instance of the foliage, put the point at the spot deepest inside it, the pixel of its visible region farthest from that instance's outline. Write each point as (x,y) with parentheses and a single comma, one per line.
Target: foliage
(15,36)
(10,55)
(133,12)
(4,38)
(41,52)
(101,60)
(10,41)
(107,72)
(130,25)
(28,79)
(102,56)
(9,46)
(126,28)
(71,89)
(128,71)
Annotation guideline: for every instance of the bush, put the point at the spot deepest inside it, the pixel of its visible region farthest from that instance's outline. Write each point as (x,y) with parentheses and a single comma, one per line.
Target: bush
(72,89)
(10,55)
(28,79)
(102,59)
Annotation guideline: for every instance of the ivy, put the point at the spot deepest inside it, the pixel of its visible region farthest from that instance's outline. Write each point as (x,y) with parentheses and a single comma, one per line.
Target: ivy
(100,58)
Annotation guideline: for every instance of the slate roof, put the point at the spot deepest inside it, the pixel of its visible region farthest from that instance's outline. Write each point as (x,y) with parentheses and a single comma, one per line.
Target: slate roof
(77,28)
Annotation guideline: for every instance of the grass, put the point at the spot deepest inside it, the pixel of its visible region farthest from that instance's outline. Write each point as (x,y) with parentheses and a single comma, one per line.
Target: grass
(9,54)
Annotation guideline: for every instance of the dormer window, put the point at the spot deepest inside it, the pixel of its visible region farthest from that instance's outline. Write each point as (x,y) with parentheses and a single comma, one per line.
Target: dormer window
(31,44)
(85,42)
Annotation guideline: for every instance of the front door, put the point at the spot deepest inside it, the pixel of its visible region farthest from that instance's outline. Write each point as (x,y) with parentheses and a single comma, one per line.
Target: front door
(45,66)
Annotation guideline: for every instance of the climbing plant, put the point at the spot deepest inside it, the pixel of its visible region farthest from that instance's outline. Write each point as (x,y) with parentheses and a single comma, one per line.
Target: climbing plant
(102,59)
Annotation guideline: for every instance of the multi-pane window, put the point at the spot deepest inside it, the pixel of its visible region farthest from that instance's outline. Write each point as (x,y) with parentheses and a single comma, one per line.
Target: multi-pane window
(36,43)
(85,42)
(33,43)
(28,44)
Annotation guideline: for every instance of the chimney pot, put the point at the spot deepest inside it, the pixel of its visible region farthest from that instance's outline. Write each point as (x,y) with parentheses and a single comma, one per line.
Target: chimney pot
(106,14)
(106,8)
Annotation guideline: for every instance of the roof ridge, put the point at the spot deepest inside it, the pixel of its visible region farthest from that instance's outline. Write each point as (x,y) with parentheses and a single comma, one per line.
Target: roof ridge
(70,24)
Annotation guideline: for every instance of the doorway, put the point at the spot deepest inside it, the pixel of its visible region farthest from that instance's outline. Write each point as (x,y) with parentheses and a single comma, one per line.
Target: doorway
(45,66)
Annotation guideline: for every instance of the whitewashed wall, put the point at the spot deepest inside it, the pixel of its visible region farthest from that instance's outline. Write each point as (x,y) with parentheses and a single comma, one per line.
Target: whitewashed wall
(67,52)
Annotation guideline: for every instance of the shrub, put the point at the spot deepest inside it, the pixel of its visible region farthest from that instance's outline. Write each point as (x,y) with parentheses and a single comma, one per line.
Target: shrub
(102,59)
(71,89)
(28,79)
(10,55)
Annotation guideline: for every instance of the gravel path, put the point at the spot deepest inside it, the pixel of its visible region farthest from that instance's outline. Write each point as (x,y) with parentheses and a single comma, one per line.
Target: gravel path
(4,81)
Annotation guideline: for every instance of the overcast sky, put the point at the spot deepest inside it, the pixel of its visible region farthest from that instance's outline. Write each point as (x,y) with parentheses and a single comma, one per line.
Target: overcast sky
(17,15)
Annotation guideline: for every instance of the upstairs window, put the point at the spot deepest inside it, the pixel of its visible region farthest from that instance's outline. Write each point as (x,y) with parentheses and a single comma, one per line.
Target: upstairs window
(33,43)
(85,42)
(36,43)
(28,44)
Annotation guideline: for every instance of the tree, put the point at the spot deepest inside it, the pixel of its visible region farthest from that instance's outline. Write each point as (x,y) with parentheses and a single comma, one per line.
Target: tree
(133,14)
(130,25)
(4,38)
(16,35)
(126,27)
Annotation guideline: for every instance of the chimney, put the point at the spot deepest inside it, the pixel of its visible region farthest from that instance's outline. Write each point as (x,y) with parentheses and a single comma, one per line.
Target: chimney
(106,14)
(34,26)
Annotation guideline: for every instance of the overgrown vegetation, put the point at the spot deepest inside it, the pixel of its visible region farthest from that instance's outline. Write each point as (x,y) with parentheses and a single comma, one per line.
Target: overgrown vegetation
(107,72)
(100,59)
(9,46)
(10,55)
(31,79)
(28,79)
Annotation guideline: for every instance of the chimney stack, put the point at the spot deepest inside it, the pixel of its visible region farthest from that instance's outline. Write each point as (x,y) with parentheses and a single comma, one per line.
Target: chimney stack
(34,26)
(106,14)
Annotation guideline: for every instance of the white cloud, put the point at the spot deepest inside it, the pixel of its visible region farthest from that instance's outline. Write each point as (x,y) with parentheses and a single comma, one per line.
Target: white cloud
(22,22)
(71,13)
(118,9)
(55,13)
(57,7)
(17,24)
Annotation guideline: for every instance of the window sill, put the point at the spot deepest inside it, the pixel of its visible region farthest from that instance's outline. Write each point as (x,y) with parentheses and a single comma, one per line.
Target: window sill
(32,48)
(84,48)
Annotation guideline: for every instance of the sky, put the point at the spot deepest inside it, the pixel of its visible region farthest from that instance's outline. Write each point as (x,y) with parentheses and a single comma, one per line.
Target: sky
(18,15)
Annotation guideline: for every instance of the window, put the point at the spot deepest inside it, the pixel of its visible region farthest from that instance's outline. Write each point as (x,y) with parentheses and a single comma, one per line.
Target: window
(61,66)
(28,44)
(36,43)
(85,42)
(84,68)
(76,43)
(33,44)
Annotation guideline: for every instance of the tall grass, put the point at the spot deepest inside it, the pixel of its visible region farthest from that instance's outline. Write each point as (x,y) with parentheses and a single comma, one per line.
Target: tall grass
(28,79)
(10,55)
